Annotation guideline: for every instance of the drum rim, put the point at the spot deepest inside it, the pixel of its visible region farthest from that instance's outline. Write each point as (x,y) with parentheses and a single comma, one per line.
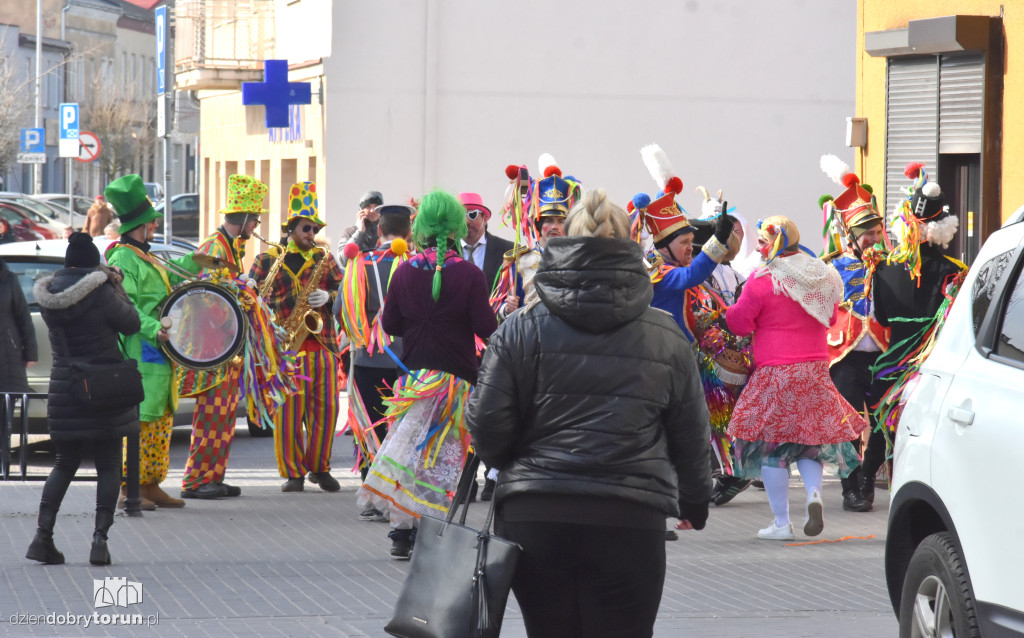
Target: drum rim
(240,338)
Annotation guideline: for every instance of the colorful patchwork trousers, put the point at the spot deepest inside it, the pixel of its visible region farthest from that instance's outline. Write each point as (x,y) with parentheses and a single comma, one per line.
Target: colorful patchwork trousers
(314,410)
(213,427)
(154,449)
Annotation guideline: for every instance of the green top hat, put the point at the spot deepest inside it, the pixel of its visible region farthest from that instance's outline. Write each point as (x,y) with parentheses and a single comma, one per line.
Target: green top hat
(128,197)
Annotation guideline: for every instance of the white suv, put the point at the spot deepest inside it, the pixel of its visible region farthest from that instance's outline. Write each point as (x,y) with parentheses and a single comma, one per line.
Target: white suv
(954,554)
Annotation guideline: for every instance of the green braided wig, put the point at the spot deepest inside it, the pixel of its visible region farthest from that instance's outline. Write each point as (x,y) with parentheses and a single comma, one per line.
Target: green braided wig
(440,216)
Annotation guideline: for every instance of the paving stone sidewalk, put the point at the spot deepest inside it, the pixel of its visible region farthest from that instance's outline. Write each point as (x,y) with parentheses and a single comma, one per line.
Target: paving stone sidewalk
(273,564)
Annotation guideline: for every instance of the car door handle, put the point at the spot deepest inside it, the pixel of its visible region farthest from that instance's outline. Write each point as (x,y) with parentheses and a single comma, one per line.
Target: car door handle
(961,415)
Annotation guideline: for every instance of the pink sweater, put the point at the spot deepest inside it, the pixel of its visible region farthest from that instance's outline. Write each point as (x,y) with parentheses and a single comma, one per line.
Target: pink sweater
(783,331)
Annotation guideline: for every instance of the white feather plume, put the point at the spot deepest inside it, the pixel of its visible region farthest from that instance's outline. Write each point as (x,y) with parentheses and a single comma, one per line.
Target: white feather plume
(546,159)
(657,164)
(835,168)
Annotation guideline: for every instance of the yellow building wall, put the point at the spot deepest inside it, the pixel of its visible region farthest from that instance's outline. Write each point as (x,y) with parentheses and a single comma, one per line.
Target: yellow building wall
(234,139)
(882,15)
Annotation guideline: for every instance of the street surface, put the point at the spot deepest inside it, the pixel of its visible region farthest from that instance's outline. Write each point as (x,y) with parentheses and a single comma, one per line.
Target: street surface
(274,564)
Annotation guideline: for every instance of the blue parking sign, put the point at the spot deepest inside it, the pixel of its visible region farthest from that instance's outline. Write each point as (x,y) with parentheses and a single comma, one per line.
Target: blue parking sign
(32,140)
(67,116)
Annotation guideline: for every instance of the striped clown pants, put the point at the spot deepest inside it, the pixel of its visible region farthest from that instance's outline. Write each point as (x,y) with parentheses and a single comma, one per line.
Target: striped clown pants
(304,424)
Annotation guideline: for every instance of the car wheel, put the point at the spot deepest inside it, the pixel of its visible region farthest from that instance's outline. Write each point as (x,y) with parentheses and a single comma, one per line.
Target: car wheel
(256,431)
(937,598)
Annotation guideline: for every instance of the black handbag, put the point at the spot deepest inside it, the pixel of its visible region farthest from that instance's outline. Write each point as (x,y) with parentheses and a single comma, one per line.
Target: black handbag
(459,578)
(104,383)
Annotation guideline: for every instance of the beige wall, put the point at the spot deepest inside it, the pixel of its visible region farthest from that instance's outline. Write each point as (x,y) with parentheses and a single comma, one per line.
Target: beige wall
(234,139)
(743,96)
(880,15)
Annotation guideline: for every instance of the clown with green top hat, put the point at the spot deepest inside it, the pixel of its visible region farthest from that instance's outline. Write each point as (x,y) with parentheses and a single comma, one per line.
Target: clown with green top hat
(148,282)
(305,279)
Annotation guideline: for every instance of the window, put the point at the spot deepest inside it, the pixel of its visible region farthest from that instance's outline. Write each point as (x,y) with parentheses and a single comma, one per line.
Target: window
(985,285)
(1011,335)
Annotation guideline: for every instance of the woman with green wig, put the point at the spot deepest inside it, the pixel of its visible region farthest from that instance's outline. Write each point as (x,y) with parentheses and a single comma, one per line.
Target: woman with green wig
(438,304)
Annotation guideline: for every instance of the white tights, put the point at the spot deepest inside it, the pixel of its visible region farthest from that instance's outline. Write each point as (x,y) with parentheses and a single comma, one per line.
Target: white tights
(776,485)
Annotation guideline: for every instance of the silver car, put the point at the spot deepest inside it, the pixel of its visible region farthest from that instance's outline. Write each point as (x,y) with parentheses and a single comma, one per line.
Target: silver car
(30,260)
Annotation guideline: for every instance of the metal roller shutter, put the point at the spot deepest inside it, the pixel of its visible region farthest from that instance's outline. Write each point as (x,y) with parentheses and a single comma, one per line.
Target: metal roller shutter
(912,122)
(961,102)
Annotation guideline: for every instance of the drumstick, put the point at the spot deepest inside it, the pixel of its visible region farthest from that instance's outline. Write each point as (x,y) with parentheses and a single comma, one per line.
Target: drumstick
(166,323)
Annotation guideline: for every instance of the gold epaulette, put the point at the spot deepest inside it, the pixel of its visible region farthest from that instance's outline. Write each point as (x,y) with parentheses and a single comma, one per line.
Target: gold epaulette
(832,255)
(512,254)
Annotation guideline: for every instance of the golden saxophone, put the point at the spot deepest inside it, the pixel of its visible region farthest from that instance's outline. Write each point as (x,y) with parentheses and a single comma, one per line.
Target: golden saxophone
(304,320)
(268,283)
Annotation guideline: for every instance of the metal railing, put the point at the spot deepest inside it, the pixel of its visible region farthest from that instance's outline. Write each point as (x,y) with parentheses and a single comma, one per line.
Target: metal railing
(223,34)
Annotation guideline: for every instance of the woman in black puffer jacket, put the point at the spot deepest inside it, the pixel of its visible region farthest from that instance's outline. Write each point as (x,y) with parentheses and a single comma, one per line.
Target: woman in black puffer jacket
(590,404)
(85,308)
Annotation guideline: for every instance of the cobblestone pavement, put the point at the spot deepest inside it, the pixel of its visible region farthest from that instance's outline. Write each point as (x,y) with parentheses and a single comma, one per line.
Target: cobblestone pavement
(274,564)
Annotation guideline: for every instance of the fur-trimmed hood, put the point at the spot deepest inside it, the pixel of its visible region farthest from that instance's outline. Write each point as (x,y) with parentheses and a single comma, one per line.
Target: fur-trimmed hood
(69,296)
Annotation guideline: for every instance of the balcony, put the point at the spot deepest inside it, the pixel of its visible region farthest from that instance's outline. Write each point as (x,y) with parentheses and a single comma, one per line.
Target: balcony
(221,43)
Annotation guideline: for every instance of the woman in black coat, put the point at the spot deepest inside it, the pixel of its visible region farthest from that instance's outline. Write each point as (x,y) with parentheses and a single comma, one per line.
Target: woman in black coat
(85,308)
(590,405)
(17,336)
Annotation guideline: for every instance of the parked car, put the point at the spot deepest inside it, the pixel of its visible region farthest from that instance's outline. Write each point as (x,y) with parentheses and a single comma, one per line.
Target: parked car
(184,215)
(952,553)
(37,211)
(80,205)
(22,222)
(30,260)
(62,214)
(154,191)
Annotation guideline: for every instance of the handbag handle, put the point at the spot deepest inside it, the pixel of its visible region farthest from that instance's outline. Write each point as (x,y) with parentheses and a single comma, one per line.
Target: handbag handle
(466,481)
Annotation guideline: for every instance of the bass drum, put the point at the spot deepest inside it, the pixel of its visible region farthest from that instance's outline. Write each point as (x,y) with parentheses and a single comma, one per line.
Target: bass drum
(208,327)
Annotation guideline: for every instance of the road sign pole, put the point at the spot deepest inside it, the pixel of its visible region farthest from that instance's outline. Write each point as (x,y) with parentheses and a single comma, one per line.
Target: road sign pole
(37,170)
(164,89)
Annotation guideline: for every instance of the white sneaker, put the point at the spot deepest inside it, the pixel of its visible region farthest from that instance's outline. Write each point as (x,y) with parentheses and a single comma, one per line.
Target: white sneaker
(815,519)
(775,533)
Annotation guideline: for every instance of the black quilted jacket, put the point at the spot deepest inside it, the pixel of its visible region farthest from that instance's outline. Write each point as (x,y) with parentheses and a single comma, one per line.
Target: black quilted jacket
(84,313)
(591,391)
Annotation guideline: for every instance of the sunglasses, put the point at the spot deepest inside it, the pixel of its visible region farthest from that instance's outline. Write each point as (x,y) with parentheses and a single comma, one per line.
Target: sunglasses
(309,227)
(473,213)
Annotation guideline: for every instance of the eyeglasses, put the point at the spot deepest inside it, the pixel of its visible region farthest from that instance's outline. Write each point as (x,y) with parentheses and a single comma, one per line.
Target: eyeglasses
(473,213)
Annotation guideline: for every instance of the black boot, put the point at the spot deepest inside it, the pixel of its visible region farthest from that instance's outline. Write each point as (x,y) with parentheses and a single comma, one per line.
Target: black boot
(99,554)
(853,500)
(867,487)
(42,548)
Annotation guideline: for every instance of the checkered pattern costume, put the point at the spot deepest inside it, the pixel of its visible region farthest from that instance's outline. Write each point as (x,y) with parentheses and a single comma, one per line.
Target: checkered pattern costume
(216,393)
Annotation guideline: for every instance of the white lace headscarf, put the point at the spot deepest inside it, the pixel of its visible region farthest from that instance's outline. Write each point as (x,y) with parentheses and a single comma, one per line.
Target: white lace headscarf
(807,280)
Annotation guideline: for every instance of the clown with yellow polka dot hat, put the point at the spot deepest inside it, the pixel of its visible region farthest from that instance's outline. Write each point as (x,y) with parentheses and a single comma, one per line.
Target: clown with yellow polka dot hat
(302,206)
(300,287)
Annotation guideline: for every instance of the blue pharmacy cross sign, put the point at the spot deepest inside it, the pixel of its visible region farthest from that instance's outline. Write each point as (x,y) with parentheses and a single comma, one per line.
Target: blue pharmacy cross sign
(276,93)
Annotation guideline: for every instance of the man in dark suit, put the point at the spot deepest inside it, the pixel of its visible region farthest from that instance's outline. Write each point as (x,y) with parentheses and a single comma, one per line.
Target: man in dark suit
(479,247)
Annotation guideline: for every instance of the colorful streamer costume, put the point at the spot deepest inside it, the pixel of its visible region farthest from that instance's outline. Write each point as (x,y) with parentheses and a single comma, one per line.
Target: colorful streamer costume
(912,290)
(438,303)
(373,369)
(313,408)
(528,203)
(216,392)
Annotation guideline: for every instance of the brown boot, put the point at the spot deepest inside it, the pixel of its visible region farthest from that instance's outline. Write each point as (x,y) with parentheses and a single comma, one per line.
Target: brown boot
(146,504)
(153,492)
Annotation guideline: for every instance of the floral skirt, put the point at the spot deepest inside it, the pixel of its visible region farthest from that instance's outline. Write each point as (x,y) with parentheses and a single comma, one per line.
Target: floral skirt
(794,403)
(417,467)
(792,412)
